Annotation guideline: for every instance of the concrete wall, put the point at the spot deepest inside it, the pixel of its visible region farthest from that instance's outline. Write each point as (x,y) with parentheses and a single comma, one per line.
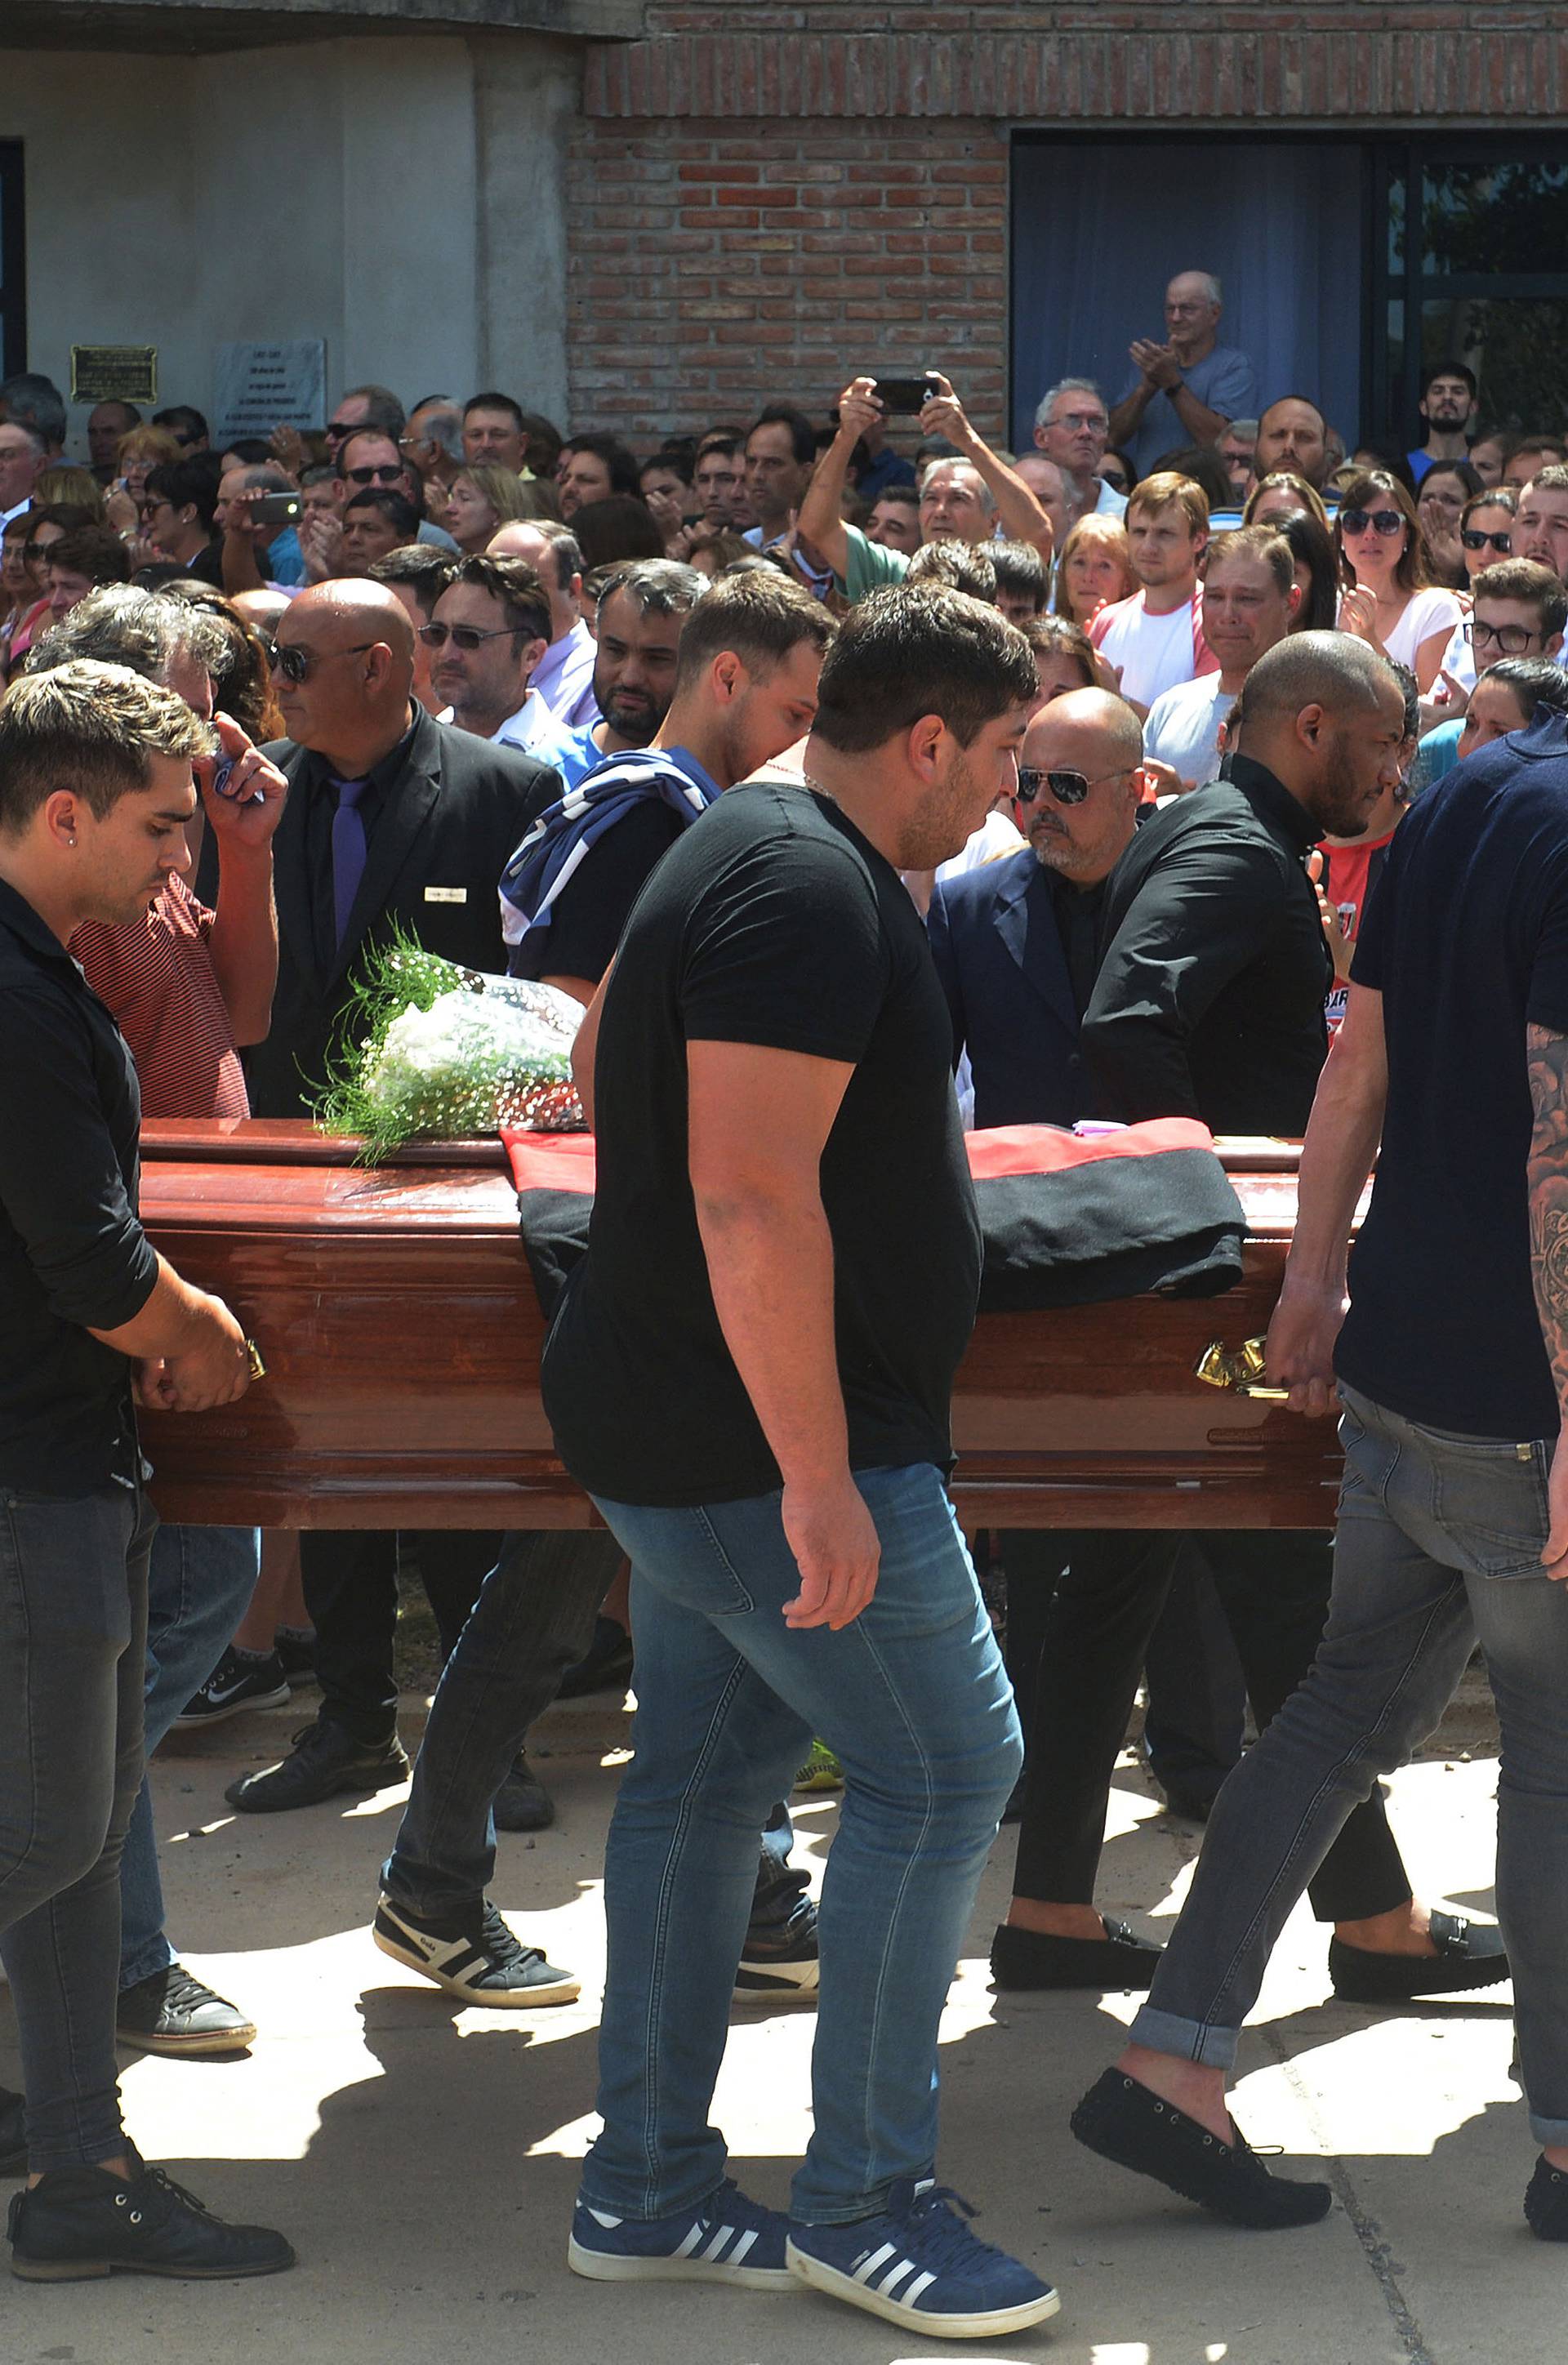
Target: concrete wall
(404,198)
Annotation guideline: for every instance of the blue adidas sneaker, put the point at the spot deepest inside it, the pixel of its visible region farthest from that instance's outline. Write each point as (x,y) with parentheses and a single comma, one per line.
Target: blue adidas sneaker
(918,2264)
(728,2240)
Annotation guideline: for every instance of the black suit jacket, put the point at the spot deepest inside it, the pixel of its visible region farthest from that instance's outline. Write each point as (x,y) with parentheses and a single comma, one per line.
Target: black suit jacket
(1209,1000)
(999,954)
(450,818)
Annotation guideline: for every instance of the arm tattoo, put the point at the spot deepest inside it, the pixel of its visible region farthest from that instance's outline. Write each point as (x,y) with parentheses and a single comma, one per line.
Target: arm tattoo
(1547,1055)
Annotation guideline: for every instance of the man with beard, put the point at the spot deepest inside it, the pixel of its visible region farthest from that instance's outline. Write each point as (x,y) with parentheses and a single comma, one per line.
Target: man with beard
(642,614)
(489,629)
(1448,405)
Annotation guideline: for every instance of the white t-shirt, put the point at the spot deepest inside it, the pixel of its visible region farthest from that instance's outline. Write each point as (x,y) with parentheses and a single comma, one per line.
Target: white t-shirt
(1459,658)
(1183,729)
(1154,652)
(1430,611)
(992,842)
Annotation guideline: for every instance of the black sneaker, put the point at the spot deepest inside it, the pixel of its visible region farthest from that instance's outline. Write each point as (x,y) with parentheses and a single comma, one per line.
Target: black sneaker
(522,1803)
(234,1684)
(326,1758)
(1546,2202)
(173,2013)
(474,1955)
(296,1647)
(778,1960)
(13,2134)
(77,2222)
(605,1665)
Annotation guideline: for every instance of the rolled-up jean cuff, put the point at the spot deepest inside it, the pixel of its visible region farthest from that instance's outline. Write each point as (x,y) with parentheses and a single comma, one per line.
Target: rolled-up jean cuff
(1549,2133)
(1187,2040)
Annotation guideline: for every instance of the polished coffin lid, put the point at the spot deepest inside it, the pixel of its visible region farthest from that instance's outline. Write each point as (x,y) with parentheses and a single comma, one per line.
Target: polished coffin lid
(401,1334)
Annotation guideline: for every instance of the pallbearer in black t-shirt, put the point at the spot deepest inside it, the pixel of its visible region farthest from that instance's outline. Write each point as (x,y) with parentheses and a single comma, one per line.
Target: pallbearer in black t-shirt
(1452,1379)
(751,1372)
(96,794)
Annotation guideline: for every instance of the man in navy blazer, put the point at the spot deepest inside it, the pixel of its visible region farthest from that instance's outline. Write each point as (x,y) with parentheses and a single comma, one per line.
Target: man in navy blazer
(1015,941)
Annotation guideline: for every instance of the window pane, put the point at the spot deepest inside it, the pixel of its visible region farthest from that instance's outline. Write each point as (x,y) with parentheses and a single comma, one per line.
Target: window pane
(1495,216)
(1515,344)
(1396,188)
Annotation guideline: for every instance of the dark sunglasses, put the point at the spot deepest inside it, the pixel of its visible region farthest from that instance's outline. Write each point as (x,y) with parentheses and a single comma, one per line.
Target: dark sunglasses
(467,636)
(297,663)
(1474,539)
(1383,521)
(1068,788)
(382,476)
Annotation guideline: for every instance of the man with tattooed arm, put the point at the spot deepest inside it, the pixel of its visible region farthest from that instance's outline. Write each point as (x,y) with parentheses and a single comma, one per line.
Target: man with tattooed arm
(1451,1367)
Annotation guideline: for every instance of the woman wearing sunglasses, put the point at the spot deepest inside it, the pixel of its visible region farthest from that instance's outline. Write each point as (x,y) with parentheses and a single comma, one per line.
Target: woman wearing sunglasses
(1392,603)
(1439,507)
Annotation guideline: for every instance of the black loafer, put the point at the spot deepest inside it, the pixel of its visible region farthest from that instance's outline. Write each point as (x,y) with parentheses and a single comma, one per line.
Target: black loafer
(1124,2122)
(13,2134)
(1470,1954)
(326,1758)
(80,2221)
(1546,2203)
(1033,1958)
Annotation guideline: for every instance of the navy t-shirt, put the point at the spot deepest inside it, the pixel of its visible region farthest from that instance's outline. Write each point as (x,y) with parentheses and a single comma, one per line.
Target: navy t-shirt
(1467,942)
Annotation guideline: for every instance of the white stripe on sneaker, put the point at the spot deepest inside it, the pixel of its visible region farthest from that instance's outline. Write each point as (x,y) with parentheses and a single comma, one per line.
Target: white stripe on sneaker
(693,2238)
(869,2266)
(920,2283)
(895,2276)
(715,2248)
(600,2217)
(742,2246)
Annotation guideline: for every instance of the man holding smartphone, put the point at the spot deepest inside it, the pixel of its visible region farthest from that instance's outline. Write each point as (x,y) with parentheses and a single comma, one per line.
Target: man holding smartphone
(257,511)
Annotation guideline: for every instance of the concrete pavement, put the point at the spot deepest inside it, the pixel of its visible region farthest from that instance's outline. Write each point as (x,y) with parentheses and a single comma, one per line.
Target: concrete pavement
(422,2157)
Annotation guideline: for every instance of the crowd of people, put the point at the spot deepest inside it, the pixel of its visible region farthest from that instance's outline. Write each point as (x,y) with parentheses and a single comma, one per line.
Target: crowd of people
(1102,782)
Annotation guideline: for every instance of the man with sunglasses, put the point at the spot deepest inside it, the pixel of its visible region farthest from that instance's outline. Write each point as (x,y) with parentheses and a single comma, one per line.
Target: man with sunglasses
(488,632)
(394,822)
(366,459)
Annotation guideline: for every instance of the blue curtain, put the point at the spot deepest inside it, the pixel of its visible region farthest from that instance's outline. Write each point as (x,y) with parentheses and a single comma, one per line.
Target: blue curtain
(1098,230)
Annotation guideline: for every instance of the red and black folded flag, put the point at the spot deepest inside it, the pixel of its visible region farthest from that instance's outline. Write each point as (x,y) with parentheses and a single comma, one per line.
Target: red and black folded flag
(1064,1221)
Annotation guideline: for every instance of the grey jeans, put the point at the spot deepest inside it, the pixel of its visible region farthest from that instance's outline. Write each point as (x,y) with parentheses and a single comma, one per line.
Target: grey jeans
(72,1671)
(1437,1543)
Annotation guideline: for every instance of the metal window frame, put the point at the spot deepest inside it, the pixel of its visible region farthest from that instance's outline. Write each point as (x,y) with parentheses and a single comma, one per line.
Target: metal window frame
(13,261)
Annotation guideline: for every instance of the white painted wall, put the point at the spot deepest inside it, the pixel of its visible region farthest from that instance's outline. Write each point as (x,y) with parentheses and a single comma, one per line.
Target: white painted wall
(364,191)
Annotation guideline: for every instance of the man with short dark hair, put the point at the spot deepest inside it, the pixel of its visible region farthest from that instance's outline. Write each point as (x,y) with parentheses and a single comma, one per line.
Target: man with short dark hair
(780,453)
(1529,456)
(1448,405)
(96,797)
(563,676)
(493,433)
(1188,389)
(775,989)
(416,575)
(83,559)
(1072,429)
(593,469)
(894,521)
(489,629)
(376,522)
(257,555)
(1541,522)
(641,614)
(745,689)
(716,478)
(186,424)
(107,423)
(368,457)
(1023,586)
(1236,448)
(179,507)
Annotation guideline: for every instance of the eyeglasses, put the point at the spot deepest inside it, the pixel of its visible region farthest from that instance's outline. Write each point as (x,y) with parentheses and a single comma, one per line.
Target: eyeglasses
(1068,788)
(383,476)
(1474,539)
(297,663)
(1512,639)
(1384,522)
(466,636)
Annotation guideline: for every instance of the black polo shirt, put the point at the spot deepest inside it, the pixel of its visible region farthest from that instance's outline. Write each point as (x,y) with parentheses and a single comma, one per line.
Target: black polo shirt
(71,1250)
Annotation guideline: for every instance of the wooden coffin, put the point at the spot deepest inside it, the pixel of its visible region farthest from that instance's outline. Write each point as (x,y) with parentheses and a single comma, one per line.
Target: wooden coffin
(401,1336)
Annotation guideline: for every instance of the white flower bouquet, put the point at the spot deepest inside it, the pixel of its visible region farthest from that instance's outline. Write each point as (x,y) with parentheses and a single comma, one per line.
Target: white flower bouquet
(437,1052)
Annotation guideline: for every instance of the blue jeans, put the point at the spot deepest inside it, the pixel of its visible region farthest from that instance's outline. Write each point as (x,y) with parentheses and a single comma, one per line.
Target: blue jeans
(72,1651)
(1438,1542)
(199,1587)
(913,1701)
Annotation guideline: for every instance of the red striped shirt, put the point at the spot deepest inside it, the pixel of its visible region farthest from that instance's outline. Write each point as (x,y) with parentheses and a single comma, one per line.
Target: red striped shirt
(157,981)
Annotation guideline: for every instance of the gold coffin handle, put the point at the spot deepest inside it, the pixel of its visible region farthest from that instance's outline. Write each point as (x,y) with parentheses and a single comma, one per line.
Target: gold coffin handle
(1241,1372)
(253,1358)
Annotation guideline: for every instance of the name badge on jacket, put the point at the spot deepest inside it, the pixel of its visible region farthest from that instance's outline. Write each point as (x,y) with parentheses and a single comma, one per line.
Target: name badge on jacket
(446,894)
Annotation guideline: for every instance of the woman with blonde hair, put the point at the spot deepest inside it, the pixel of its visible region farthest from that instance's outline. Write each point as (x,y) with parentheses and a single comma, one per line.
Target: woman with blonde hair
(1276,495)
(1093,570)
(61,485)
(482,498)
(1393,603)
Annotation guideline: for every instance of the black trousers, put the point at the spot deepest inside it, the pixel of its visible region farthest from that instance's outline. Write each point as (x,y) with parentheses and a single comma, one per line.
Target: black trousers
(1110,1588)
(351,1591)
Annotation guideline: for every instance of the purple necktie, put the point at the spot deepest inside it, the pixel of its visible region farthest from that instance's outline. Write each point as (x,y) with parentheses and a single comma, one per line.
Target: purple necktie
(348,851)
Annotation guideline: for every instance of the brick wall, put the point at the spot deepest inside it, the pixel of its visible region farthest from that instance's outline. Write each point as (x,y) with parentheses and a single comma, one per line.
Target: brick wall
(717,265)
